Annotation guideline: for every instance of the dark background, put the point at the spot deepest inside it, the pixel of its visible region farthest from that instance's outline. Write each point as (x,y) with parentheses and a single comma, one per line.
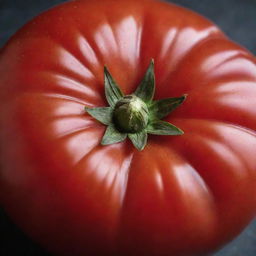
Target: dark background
(236,17)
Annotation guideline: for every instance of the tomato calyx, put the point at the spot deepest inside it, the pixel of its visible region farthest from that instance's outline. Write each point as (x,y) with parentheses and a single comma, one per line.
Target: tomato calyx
(136,115)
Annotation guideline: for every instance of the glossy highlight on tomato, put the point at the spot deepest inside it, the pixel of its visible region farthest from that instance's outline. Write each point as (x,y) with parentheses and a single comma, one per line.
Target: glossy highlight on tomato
(182,195)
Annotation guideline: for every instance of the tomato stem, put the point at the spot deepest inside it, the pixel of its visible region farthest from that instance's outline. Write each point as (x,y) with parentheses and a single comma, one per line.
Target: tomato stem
(136,115)
(131,114)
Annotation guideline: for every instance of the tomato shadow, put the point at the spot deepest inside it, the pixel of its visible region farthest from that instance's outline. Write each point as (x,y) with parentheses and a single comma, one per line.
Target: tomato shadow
(14,242)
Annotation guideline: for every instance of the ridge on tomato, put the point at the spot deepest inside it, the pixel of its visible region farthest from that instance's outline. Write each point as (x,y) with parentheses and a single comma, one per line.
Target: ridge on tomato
(182,195)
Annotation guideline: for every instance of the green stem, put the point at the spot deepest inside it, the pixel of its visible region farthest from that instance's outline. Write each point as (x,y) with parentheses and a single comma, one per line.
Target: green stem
(130,114)
(136,115)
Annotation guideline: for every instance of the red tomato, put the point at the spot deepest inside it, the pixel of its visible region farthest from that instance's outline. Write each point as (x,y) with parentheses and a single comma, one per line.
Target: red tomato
(182,195)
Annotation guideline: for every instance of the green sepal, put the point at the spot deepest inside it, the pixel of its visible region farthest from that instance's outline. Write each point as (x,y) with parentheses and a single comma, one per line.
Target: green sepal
(159,127)
(112,135)
(148,111)
(102,114)
(112,91)
(146,89)
(161,108)
(139,140)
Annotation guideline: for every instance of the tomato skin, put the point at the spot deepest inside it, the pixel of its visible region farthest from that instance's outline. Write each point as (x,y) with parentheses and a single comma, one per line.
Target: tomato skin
(182,196)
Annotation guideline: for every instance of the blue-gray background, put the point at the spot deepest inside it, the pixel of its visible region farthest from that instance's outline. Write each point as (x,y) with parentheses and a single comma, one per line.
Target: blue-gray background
(236,17)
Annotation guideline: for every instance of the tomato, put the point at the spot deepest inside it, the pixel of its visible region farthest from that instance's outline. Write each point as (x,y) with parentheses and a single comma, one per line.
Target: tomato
(180,196)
